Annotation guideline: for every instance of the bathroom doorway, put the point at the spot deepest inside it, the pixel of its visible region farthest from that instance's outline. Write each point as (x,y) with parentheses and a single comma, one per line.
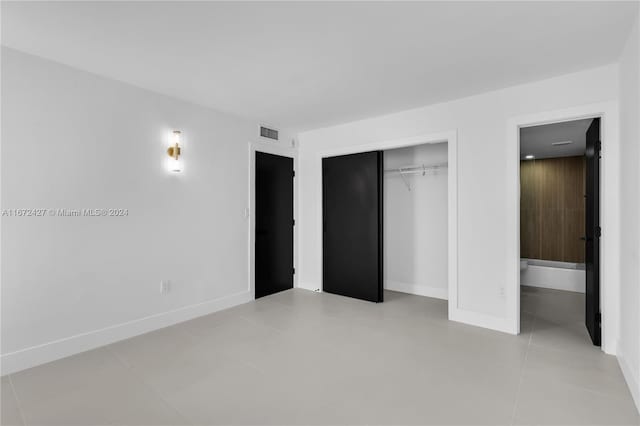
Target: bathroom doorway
(560,231)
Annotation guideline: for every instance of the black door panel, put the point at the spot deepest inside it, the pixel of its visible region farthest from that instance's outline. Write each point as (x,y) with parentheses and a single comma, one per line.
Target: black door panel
(352,225)
(274,224)
(592,231)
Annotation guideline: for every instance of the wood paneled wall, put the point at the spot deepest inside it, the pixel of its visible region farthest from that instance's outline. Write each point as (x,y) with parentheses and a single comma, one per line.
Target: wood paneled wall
(552,209)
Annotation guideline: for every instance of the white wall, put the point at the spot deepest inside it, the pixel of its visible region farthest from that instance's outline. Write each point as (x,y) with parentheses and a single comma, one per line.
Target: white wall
(71,139)
(483,173)
(629,343)
(415,223)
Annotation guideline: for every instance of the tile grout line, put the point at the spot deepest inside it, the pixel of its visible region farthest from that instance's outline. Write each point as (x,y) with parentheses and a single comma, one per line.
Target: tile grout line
(224,355)
(18,403)
(524,363)
(255,323)
(243,317)
(145,384)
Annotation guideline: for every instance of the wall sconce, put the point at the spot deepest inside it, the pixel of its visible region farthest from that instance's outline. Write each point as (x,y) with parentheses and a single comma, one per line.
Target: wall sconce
(174,151)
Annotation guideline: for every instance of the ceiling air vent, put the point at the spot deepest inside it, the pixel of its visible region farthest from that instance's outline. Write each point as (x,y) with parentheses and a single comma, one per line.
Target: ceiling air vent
(265,132)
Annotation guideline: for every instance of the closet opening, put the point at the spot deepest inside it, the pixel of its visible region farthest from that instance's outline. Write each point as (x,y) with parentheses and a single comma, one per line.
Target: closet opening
(415,249)
(560,232)
(388,218)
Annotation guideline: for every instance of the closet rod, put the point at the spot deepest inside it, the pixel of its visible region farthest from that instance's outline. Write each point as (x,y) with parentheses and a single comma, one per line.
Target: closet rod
(413,169)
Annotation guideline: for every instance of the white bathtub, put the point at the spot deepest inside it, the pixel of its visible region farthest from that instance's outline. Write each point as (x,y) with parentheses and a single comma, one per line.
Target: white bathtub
(552,274)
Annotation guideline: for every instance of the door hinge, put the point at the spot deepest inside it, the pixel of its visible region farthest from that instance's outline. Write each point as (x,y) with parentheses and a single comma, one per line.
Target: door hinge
(293,222)
(293,173)
(599,318)
(598,232)
(293,270)
(599,146)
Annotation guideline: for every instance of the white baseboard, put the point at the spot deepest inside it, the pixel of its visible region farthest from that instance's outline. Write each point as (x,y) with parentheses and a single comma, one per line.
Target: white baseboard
(631,376)
(420,290)
(482,320)
(311,286)
(51,351)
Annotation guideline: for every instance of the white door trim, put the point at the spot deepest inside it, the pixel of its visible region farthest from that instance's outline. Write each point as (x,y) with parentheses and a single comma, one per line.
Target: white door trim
(609,212)
(451,137)
(269,148)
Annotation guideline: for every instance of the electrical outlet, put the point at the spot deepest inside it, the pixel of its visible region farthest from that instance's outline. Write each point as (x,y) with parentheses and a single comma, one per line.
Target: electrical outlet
(165,286)
(501,291)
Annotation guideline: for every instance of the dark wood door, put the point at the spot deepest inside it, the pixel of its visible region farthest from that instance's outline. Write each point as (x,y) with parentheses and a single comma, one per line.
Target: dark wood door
(352,225)
(274,224)
(592,231)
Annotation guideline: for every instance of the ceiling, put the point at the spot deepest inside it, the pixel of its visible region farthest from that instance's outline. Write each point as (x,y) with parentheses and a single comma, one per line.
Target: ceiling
(537,140)
(303,65)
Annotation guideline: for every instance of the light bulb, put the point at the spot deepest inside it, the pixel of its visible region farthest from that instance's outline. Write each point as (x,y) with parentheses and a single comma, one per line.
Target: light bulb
(174,165)
(175,137)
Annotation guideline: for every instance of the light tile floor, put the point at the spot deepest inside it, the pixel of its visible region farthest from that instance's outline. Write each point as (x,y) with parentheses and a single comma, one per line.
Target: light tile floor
(299,357)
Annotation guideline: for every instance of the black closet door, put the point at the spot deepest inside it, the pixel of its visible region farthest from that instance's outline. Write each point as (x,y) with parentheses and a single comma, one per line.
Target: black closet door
(592,231)
(274,224)
(352,225)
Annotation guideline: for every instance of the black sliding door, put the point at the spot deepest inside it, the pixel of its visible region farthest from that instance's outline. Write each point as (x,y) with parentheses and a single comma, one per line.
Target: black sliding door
(592,231)
(352,225)
(274,224)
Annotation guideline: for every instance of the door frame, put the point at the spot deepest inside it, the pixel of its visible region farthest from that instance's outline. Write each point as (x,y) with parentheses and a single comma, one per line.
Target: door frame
(250,210)
(451,138)
(609,211)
